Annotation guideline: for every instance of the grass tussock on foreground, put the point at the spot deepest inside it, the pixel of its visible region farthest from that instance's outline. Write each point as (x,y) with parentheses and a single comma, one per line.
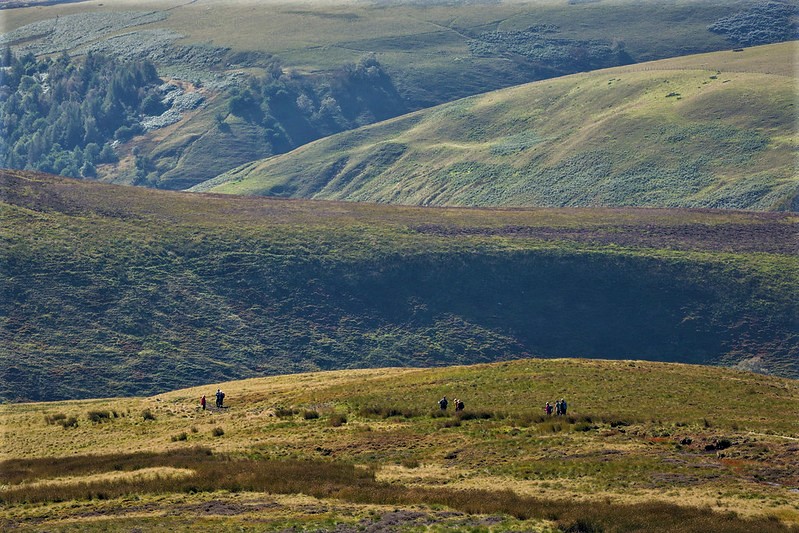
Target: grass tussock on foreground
(645,446)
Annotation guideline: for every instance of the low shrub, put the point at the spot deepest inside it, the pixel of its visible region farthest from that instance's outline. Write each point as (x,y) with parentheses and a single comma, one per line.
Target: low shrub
(310,415)
(550,427)
(723,444)
(98,416)
(54,419)
(618,423)
(286,412)
(583,525)
(410,463)
(337,420)
(450,423)
(71,422)
(528,419)
(474,415)
(217,432)
(373,411)
(147,415)
(180,436)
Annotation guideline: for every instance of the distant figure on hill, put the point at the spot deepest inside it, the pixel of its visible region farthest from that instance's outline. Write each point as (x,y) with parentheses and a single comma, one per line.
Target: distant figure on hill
(220,397)
(202,402)
(563,407)
(458,405)
(548,409)
(557,408)
(442,403)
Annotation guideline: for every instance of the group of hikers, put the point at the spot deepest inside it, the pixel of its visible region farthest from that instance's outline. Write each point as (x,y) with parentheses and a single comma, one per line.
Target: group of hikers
(443,403)
(220,400)
(560,408)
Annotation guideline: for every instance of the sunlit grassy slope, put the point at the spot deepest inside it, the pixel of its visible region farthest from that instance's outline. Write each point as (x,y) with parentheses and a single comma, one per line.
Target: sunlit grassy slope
(645,445)
(714,130)
(111,290)
(425,45)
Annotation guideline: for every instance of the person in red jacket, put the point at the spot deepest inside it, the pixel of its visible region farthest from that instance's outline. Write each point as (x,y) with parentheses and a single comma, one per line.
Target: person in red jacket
(202,402)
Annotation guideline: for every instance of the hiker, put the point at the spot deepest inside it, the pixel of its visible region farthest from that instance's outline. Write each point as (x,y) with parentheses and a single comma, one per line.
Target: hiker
(458,405)
(219,398)
(563,407)
(557,408)
(442,403)
(202,402)
(548,409)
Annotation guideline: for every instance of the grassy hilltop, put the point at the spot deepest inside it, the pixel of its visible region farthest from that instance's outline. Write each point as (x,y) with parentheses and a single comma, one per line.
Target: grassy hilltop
(645,446)
(715,130)
(111,290)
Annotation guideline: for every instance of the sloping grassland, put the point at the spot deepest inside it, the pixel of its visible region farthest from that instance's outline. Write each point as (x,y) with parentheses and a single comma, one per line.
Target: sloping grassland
(714,130)
(644,446)
(111,290)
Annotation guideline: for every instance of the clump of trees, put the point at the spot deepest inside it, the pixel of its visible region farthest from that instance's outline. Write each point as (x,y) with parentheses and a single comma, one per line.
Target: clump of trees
(761,23)
(294,108)
(61,115)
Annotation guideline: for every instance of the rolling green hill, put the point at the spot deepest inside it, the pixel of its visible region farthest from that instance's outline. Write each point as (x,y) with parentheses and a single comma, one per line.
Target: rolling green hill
(295,65)
(714,130)
(111,290)
(644,446)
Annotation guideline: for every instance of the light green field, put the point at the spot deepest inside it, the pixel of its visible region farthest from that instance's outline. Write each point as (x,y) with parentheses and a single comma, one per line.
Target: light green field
(715,130)
(640,435)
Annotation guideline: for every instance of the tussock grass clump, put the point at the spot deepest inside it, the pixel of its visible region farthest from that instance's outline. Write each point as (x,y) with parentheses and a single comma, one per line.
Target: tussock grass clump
(60,419)
(147,415)
(217,432)
(54,418)
(551,427)
(410,463)
(179,437)
(382,411)
(310,415)
(71,422)
(337,420)
(98,416)
(286,412)
(450,423)
(475,415)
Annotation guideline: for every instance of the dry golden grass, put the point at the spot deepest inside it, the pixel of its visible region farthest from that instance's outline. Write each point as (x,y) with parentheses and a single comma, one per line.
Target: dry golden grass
(620,462)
